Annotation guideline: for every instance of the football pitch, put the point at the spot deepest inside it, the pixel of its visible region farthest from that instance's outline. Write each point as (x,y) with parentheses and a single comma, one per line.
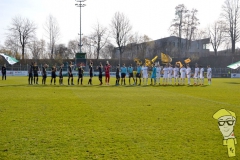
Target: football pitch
(114,122)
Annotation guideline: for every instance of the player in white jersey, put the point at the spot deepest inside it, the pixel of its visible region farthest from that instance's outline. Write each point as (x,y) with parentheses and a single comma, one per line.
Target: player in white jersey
(176,74)
(183,74)
(165,74)
(170,73)
(209,74)
(188,72)
(201,75)
(196,75)
(158,74)
(145,74)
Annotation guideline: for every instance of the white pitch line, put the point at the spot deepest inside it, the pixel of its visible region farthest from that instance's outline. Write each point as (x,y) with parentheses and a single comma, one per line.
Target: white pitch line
(218,102)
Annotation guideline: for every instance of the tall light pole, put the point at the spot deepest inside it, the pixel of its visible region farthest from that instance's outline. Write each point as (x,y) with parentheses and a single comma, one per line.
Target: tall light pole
(80,5)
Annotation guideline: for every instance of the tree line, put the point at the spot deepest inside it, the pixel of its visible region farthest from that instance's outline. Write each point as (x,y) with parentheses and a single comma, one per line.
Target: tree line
(224,31)
(22,43)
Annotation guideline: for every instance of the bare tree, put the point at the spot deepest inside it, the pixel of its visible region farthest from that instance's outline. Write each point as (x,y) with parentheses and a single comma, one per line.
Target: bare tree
(120,31)
(139,47)
(73,46)
(62,52)
(22,29)
(200,34)
(53,32)
(133,46)
(144,44)
(178,23)
(190,26)
(194,23)
(227,45)
(107,51)
(217,34)
(12,44)
(43,48)
(37,48)
(9,52)
(231,15)
(88,47)
(99,37)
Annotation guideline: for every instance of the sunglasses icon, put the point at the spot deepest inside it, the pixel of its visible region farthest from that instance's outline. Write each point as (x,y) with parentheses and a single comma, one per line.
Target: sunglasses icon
(229,122)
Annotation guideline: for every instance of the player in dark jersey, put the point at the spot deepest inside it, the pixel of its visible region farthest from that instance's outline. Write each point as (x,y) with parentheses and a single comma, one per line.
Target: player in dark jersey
(30,74)
(54,70)
(60,74)
(4,71)
(44,73)
(100,69)
(90,72)
(80,73)
(70,74)
(35,73)
(117,76)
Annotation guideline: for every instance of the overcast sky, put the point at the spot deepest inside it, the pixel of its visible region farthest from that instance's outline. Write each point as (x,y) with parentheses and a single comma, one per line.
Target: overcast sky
(150,17)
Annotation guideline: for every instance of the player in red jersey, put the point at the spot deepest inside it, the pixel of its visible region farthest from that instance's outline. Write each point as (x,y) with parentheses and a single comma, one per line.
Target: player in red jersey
(107,73)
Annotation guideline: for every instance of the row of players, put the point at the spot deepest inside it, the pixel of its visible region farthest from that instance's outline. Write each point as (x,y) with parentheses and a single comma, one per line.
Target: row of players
(179,74)
(168,72)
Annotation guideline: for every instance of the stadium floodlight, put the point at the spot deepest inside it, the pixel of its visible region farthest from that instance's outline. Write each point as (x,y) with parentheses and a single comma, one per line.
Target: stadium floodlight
(80,5)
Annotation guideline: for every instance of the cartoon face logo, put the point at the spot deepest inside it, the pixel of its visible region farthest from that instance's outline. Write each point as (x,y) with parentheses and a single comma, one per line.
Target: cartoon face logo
(226,122)
(226,125)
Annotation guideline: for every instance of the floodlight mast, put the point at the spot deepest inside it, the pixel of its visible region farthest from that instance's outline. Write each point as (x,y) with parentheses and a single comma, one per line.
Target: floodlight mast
(80,5)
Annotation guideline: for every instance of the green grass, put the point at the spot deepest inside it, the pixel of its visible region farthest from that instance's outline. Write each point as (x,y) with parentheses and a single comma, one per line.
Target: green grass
(114,122)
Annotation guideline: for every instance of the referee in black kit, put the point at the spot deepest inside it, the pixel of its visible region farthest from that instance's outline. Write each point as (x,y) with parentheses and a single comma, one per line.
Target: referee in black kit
(4,71)
(30,74)
(100,69)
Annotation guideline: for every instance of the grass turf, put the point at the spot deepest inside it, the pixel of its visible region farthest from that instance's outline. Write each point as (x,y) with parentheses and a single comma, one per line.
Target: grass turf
(114,122)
